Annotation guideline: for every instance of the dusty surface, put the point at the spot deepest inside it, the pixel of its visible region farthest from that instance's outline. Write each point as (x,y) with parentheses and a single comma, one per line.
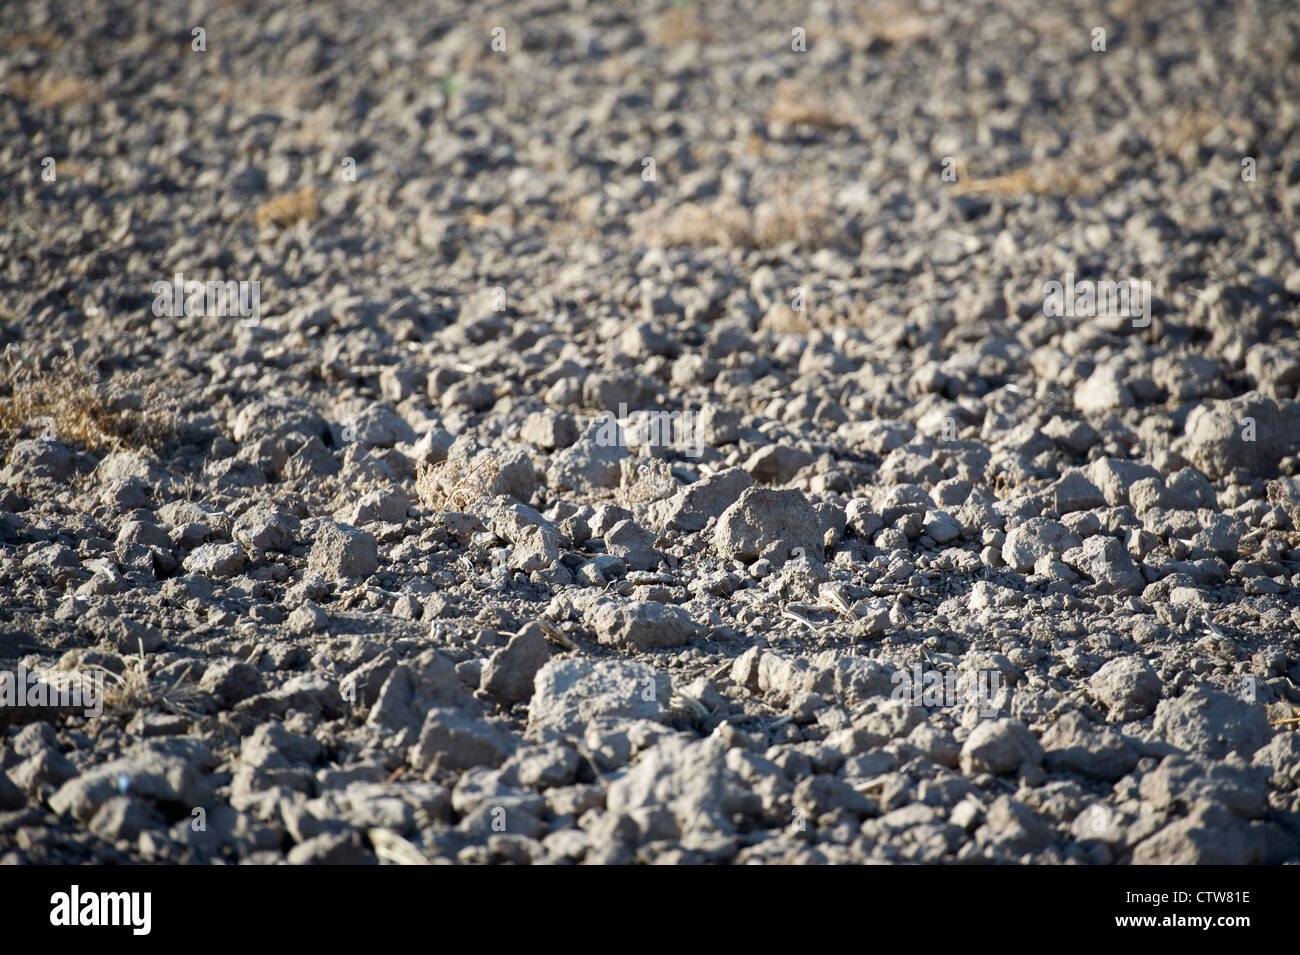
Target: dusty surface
(369,574)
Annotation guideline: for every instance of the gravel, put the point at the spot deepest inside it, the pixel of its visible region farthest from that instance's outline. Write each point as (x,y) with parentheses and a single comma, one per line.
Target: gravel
(651,443)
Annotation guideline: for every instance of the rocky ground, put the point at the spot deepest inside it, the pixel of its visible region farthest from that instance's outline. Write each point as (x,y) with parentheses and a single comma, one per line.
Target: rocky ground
(929,569)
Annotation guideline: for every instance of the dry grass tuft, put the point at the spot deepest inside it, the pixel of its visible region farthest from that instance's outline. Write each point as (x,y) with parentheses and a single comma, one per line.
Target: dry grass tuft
(457,485)
(70,402)
(134,690)
(896,23)
(1279,496)
(284,211)
(35,40)
(694,224)
(1178,133)
(681,25)
(1040,179)
(788,217)
(781,318)
(394,849)
(795,106)
(644,481)
(51,91)
(892,24)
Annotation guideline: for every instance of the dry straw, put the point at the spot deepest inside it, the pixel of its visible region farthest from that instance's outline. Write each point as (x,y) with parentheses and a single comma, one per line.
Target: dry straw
(70,402)
(456,485)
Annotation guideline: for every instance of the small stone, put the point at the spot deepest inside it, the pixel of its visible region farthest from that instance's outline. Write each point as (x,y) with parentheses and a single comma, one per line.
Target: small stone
(306,619)
(215,560)
(452,739)
(1034,539)
(340,551)
(998,747)
(510,671)
(265,528)
(1073,745)
(643,626)
(1108,563)
(1212,723)
(1127,687)
(231,681)
(570,693)
(766,523)
(634,544)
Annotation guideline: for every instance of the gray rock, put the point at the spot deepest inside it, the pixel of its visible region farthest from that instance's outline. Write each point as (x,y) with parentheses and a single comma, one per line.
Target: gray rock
(411,690)
(999,746)
(1106,561)
(634,544)
(381,505)
(280,419)
(39,459)
(510,671)
(514,522)
(691,508)
(544,766)
(1189,490)
(717,424)
(378,425)
(549,431)
(692,780)
(537,548)
(777,463)
(124,817)
(452,739)
(264,527)
(570,693)
(1034,539)
(48,767)
(1281,757)
(769,524)
(645,625)
(332,848)
(363,685)
(1012,827)
(1250,431)
(1074,745)
(11,796)
(1073,436)
(1074,492)
(272,746)
(1211,835)
(1276,370)
(819,795)
(340,551)
(1221,534)
(307,618)
(1179,782)
(310,461)
(309,692)
(591,462)
(941,527)
(1127,687)
(1115,477)
(215,560)
(1104,391)
(1211,723)
(146,773)
(231,681)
